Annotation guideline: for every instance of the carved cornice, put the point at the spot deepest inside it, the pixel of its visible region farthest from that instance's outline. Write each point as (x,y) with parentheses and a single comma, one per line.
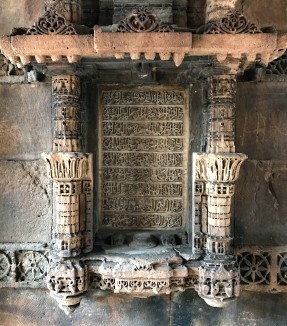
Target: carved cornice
(142,20)
(232,23)
(52,23)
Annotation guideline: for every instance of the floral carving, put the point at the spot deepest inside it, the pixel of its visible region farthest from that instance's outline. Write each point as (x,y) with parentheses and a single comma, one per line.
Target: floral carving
(52,23)
(142,20)
(278,66)
(254,268)
(32,266)
(282,266)
(232,23)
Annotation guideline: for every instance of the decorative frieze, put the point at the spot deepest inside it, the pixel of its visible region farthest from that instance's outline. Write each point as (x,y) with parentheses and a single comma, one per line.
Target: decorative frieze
(143,158)
(22,267)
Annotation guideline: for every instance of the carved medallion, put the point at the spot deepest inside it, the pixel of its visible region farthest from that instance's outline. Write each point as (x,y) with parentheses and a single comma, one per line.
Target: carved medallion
(143,158)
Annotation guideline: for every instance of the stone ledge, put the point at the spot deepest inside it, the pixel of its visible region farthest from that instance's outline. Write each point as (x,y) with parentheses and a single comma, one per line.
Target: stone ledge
(23,48)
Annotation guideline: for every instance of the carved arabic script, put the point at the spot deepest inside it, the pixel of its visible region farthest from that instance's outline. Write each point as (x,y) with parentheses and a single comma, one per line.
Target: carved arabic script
(143,158)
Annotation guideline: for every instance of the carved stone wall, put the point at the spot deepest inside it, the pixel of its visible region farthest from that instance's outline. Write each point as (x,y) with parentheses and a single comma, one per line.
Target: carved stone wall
(125,124)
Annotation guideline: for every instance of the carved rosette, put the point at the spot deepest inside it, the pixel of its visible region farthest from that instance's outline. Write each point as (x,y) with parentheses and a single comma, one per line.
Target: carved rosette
(67,281)
(218,283)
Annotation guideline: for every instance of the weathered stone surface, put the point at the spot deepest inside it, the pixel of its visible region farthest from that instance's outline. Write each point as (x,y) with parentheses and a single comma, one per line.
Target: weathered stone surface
(265,12)
(25,202)
(30,10)
(97,308)
(249,310)
(31,308)
(216,9)
(261,119)
(260,203)
(25,121)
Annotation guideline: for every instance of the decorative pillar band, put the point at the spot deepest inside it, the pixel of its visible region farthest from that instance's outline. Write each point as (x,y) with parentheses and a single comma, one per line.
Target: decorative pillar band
(68,115)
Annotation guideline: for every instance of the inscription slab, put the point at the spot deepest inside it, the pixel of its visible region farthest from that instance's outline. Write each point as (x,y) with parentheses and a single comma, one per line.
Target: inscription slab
(143,157)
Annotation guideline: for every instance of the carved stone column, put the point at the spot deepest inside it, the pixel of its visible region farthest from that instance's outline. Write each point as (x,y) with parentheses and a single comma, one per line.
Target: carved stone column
(71,171)
(70,9)
(216,9)
(216,171)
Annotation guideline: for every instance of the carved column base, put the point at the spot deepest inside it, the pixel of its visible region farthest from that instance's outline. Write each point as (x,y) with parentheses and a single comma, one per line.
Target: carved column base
(67,281)
(218,282)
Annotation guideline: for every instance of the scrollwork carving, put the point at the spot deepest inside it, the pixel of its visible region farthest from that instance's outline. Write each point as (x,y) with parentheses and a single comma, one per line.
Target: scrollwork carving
(142,20)
(52,23)
(232,23)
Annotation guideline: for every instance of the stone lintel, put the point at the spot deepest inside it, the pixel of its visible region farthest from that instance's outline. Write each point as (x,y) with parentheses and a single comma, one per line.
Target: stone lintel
(22,49)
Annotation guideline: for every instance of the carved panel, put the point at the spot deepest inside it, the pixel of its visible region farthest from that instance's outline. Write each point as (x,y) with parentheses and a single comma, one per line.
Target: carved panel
(23,265)
(143,157)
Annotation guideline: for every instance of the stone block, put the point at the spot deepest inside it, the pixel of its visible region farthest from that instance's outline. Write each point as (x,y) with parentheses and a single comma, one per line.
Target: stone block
(261,119)
(30,11)
(25,202)
(260,204)
(25,120)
